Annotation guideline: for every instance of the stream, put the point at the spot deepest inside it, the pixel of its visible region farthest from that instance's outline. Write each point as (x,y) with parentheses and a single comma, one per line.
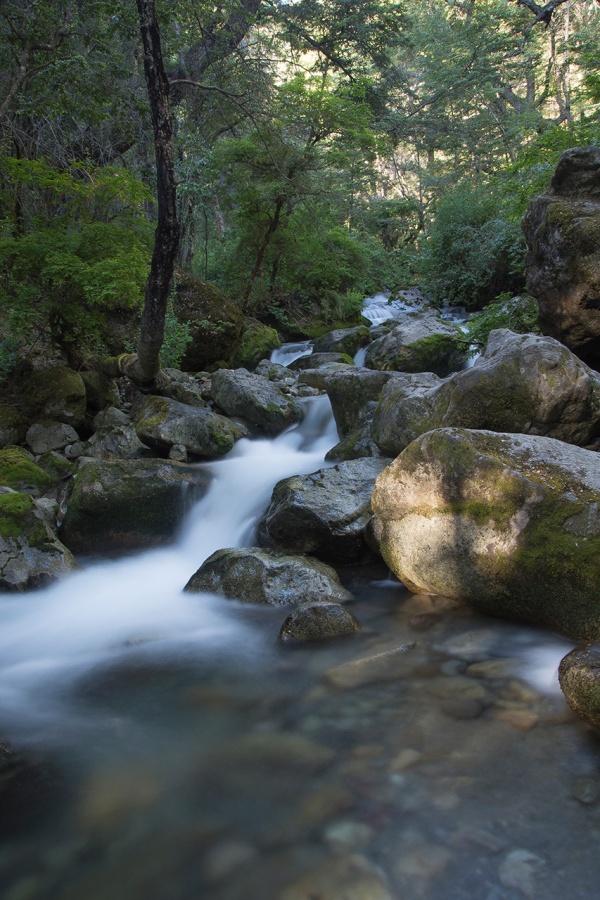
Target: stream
(176,751)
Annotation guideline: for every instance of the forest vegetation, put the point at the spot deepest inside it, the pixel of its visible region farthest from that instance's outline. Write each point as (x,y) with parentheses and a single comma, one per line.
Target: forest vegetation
(322,151)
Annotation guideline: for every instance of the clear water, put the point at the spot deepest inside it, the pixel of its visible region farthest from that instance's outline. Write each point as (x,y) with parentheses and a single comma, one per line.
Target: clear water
(180,752)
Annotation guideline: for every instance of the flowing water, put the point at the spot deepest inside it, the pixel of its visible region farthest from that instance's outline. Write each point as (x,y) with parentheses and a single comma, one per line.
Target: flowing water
(176,751)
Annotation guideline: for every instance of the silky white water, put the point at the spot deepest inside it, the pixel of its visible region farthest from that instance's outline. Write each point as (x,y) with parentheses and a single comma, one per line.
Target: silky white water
(49,638)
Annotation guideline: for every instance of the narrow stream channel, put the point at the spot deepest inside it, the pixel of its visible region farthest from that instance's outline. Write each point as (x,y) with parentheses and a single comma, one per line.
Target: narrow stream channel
(184,754)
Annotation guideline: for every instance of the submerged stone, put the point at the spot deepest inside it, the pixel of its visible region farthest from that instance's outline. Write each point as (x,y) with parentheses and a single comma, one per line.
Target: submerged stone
(318,621)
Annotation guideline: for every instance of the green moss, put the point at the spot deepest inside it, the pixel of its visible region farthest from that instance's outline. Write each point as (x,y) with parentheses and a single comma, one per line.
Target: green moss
(17,519)
(18,472)
(438,353)
(257,342)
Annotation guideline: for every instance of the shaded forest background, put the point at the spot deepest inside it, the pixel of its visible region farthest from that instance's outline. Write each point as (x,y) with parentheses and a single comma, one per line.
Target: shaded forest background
(324,151)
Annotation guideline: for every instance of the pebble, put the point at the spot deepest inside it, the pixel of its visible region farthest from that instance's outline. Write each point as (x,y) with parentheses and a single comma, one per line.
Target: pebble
(405,759)
(424,861)
(340,877)
(493,669)
(471,645)
(348,835)
(324,803)
(587,790)
(451,687)
(108,797)
(519,717)
(225,857)
(387,666)
(518,872)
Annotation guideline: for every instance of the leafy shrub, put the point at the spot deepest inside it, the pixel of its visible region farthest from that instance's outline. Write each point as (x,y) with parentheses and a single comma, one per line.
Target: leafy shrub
(472,251)
(517,313)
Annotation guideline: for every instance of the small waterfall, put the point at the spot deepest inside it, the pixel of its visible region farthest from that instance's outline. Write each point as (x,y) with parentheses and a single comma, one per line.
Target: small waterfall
(287,353)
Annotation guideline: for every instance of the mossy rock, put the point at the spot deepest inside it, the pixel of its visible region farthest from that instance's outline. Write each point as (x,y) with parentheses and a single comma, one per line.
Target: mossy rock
(215,323)
(101,391)
(120,505)
(318,621)
(421,343)
(508,524)
(162,423)
(320,360)
(579,677)
(13,426)
(31,556)
(19,472)
(55,392)
(258,341)
(344,340)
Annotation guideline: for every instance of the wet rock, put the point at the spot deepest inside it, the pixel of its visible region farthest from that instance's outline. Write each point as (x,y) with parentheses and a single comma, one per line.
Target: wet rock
(343,340)
(161,423)
(421,343)
(258,401)
(340,877)
(47,435)
(274,372)
(124,504)
(587,790)
(258,576)
(324,514)
(114,442)
(506,523)
(519,871)
(358,445)
(579,678)
(424,861)
(405,759)
(55,392)
(13,426)
(320,361)
(31,556)
(563,257)
(351,392)
(108,797)
(225,857)
(324,803)
(257,342)
(389,666)
(348,836)
(522,383)
(276,751)
(318,621)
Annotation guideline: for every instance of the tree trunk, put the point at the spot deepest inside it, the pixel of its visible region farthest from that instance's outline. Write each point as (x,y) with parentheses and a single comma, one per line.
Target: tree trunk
(166,238)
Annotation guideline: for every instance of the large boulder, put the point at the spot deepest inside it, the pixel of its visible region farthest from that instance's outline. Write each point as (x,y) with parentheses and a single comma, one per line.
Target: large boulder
(579,677)
(215,323)
(508,524)
(257,342)
(320,361)
(324,514)
(343,340)
(162,423)
(31,556)
(55,392)
(562,230)
(254,399)
(122,505)
(45,436)
(522,383)
(100,390)
(258,576)
(421,343)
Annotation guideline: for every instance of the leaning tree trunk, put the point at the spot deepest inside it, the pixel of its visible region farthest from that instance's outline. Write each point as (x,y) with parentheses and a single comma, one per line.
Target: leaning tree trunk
(144,366)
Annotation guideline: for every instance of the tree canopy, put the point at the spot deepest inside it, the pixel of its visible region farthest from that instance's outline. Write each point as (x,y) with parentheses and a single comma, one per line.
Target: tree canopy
(321,151)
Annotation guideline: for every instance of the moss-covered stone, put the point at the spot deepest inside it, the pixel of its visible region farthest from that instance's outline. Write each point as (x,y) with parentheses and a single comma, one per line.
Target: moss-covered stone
(344,340)
(509,524)
(255,399)
(318,621)
(30,554)
(19,472)
(118,505)
(100,390)
(421,343)
(579,677)
(13,426)
(161,423)
(258,341)
(215,323)
(58,393)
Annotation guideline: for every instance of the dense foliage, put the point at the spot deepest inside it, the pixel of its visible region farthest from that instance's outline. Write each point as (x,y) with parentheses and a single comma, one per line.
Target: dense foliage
(324,150)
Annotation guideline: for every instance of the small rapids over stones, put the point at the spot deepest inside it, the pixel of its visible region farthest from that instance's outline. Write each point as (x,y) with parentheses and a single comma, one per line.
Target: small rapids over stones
(172,749)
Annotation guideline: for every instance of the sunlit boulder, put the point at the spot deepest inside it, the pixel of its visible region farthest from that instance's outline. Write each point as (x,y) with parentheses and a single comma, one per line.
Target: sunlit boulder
(509,524)
(522,383)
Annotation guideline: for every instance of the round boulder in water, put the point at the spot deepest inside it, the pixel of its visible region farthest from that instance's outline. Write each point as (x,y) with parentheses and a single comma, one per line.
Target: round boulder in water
(318,621)
(579,677)
(258,576)
(258,401)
